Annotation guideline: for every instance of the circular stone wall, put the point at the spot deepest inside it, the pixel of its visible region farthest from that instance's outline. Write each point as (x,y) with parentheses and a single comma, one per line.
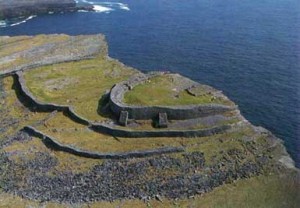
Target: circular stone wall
(150,112)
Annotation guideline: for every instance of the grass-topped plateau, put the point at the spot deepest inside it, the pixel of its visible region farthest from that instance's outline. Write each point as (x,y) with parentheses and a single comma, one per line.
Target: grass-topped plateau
(243,166)
(171,90)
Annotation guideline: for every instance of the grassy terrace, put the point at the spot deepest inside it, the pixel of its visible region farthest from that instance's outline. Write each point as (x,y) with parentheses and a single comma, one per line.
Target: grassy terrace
(168,90)
(79,84)
(14,116)
(70,133)
(73,134)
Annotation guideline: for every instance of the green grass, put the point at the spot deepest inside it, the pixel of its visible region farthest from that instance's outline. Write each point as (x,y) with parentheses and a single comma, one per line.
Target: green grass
(25,151)
(78,84)
(73,134)
(264,191)
(13,110)
(162,90)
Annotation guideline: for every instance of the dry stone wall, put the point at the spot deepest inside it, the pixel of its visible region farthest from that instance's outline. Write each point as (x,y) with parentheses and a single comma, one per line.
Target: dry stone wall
(53,143)
(112,129)
(46,107)
(118,132)
(151,112)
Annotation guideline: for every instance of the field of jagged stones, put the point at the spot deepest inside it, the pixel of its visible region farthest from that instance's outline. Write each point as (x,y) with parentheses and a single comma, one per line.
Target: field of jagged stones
(60,144)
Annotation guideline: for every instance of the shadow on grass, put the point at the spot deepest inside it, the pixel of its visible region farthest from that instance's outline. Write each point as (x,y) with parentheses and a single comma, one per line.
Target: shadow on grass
(104,108)
(23,98)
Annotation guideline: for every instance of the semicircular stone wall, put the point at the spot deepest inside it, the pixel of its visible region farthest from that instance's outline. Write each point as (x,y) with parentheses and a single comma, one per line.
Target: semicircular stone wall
(150,112)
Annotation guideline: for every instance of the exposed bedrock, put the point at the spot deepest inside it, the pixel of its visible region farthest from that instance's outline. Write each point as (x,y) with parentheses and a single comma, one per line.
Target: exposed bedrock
(127,179)
(19,8)
(87,47)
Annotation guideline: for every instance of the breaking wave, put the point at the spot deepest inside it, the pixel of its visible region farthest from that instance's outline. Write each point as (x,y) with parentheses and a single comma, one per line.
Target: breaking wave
(98,6)
(15,22)
(3,24)
(23,21)
(106,7)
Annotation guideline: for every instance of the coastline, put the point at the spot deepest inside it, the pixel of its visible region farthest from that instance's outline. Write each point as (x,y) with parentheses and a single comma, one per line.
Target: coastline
(17,9)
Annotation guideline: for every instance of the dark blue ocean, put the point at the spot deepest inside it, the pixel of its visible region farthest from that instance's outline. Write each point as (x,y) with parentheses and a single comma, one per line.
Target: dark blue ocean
(249,49)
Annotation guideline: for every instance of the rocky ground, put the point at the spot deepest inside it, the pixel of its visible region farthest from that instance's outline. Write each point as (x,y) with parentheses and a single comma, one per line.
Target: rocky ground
(170,176)
(25,52)
(6,121)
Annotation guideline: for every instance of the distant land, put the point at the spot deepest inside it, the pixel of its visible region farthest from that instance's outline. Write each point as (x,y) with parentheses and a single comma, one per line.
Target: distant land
(25,8)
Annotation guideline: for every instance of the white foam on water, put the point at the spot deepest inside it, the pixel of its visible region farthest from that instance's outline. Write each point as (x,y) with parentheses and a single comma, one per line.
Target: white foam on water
(124,7)
(83,11)
(23,21)
(117,4)
(106,6)
(88,2)
(98,8)
(3,24)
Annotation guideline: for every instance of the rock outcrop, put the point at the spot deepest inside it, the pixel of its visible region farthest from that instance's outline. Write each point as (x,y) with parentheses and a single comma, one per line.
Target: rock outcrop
(38,51)
(23,8)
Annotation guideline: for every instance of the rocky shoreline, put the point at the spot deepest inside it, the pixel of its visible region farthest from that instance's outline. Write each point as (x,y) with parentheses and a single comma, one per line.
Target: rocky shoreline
(25,8)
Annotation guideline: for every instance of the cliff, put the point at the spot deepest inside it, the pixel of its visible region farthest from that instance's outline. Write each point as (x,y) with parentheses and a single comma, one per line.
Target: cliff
(19,8)
(61,141)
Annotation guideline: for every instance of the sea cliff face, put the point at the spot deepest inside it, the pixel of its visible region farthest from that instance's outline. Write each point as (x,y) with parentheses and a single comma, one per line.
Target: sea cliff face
(19,8)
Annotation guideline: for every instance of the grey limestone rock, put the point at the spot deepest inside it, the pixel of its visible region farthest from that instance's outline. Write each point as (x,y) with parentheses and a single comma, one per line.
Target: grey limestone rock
(162,120)
(123,120)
